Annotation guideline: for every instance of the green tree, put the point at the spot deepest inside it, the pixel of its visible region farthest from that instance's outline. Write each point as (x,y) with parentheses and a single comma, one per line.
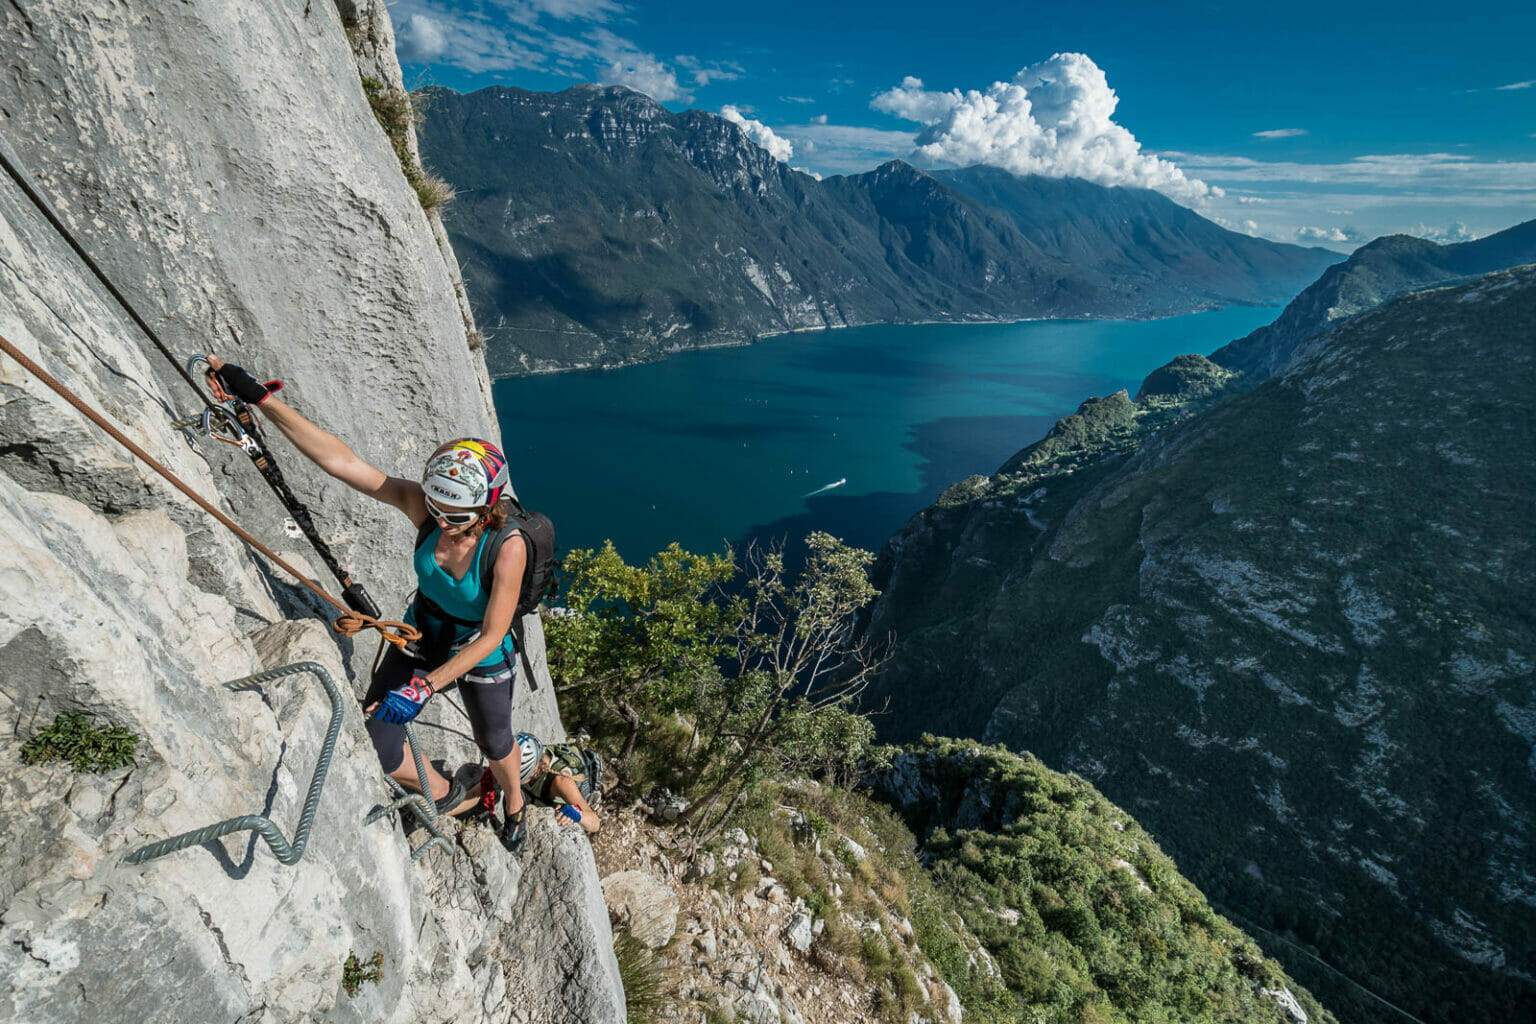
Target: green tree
(638,638)
(647,643)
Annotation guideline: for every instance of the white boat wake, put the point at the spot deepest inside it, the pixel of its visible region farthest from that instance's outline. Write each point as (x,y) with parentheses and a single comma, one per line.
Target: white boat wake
(824,490)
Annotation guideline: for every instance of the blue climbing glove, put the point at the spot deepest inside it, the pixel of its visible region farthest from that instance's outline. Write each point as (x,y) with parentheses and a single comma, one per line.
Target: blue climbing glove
(403,705)
(570,811)
(238,382)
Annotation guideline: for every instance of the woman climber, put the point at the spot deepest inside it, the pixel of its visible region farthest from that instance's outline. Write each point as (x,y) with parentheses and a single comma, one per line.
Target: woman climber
(460,501)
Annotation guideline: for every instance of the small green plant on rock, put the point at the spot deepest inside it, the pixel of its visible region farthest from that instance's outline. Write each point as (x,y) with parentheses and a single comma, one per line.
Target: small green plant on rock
(393,110)
(354,972)
(89,748)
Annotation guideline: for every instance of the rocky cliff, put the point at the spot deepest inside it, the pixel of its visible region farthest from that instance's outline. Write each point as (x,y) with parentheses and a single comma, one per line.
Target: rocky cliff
(223,165)
(1291,632)
(597,228)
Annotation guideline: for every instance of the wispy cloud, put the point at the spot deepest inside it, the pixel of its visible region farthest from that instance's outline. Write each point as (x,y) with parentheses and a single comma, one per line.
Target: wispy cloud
(846,149)
(796,99)
(429,32)
(1054,118)
(702,73)
(1515,85)
(1446,172)
(562,37)
(1280,133)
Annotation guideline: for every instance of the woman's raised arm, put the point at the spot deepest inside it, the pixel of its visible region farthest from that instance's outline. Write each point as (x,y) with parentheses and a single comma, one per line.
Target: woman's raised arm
(331,454)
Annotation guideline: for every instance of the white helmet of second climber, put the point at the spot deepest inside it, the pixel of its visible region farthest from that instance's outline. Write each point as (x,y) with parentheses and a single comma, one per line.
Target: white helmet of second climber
(529,753)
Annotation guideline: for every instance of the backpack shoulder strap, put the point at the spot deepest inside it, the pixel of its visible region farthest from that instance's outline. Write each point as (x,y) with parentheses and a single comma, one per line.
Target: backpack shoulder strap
(423,532)
(493,548)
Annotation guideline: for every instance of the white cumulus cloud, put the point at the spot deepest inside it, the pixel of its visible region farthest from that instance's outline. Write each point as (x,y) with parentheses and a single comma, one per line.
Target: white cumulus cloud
(1280,133)
(777,147)
(1055,118)
(1310,234)
(1457,232)
(644,73)
(420,40)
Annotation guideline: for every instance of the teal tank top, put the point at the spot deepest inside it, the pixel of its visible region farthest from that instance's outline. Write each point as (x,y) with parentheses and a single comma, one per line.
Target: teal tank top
(462,598)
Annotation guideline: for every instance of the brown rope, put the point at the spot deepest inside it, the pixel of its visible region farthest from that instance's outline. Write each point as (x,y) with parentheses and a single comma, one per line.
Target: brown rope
(350,624)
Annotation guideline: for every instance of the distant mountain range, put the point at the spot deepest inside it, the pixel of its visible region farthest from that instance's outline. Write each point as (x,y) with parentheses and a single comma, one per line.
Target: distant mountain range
(1382,270)
(596,228)
(1280,605)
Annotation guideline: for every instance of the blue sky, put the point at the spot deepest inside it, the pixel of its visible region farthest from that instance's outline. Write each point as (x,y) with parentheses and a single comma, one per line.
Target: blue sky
(1328,123)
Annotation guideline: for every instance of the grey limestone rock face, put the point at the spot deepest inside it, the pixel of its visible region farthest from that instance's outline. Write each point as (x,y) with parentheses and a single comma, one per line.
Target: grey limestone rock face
(222,163)
(798,934)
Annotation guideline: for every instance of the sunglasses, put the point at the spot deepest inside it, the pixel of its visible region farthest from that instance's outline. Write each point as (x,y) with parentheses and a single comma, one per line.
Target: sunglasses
(452,518)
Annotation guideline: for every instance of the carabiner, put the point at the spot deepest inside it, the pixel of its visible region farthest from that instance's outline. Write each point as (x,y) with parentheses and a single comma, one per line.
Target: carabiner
(228,429)
(210,377)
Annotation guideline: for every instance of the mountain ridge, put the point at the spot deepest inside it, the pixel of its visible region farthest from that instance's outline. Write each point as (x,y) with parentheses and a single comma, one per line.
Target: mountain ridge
(624,232)
(1374,273)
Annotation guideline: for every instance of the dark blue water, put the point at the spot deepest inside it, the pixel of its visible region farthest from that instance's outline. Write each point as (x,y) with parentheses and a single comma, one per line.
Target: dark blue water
(710,448)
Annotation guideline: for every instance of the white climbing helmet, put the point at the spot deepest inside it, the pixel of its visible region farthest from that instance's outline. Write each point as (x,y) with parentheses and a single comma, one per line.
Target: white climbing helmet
(467,472)
(530,752)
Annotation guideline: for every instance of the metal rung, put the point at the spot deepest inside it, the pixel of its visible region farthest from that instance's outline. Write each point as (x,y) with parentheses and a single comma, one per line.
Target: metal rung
(263,826)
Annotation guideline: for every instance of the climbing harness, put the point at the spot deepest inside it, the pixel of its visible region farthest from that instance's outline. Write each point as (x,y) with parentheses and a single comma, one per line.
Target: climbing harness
(351,621)
(228,420)
(286,853)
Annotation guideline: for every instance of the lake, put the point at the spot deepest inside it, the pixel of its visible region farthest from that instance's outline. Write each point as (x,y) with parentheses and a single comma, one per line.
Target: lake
(713,447)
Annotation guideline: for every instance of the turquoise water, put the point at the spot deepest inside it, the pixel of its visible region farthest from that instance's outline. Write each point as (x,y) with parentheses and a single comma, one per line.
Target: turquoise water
(709,448)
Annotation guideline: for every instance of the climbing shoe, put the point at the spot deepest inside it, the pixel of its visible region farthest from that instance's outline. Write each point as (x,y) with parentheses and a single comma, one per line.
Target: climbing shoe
(513,834)
(455,796)
(489,794)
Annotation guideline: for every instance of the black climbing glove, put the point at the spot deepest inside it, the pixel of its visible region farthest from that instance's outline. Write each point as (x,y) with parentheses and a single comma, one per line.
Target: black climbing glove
(238,382)
(513,834)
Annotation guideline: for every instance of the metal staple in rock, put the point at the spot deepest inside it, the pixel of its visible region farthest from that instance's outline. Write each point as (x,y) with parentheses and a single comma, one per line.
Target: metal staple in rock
(424,809)
(263,826)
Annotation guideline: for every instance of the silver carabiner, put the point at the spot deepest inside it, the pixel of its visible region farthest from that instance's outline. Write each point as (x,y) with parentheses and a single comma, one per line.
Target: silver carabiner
(227,428)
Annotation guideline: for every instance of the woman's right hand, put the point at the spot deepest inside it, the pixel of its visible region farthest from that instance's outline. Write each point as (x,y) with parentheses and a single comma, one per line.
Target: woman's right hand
(238,382)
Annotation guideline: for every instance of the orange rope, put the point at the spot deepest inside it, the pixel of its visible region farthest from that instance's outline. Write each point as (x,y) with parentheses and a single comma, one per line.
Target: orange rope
(351,622)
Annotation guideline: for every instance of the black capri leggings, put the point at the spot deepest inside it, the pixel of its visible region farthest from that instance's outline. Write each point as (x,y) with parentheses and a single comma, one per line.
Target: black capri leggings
(487,693)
